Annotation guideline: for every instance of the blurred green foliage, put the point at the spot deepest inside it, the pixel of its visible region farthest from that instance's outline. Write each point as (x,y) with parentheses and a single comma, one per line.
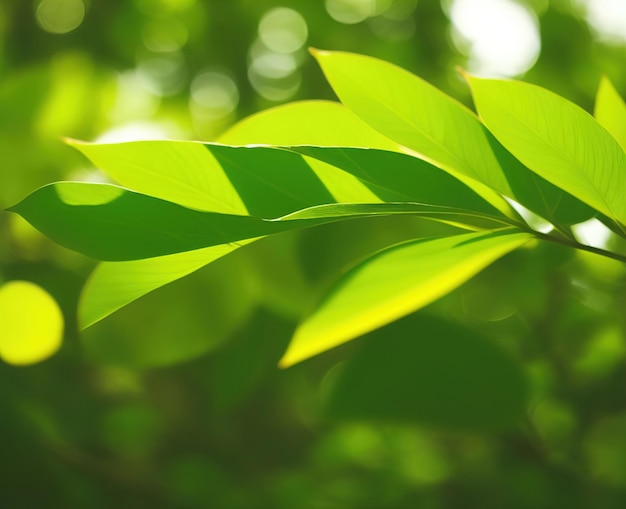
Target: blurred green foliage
(176,401)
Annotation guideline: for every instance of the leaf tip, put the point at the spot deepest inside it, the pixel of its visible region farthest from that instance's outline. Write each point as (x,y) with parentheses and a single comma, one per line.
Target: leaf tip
(72,142)
(317,53)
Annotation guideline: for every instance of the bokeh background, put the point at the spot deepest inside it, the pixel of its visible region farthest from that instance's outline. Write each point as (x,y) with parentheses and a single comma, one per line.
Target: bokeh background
(176,401)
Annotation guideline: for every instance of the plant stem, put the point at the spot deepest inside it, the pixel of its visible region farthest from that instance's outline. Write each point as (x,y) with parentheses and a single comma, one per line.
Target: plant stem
(570,243)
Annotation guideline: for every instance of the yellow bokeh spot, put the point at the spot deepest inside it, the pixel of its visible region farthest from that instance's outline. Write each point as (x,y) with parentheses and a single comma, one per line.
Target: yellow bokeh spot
(31,323)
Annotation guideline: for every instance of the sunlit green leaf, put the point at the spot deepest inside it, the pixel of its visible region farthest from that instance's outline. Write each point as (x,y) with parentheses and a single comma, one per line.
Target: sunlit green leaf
(327,124)
(399,177)
(610,111)
(112,223)
(415,114)
(181,322)
(432,372)
(31,323)
(178,171)
(113,285)
(468,219)
(557,140)
(394,282)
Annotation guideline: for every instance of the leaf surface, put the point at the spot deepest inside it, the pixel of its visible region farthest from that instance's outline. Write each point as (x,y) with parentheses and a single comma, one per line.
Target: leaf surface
(399,177)
(111,223)
(394,282)
(415,114)
(115,284)
(425,370)
(557,140)
(610,111)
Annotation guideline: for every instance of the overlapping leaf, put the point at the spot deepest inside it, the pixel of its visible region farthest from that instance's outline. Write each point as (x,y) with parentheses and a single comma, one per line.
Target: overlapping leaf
(415,114)
(610,111)
(156,167)
(263,181)
(108,222)
(557,140)
(394,282)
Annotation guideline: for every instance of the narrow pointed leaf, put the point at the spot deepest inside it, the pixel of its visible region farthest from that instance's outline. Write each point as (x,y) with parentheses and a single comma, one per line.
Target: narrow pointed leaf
(557,140)
(460,217)
(415,114)
(393,283)
(111,223)
(428,371)
(610,111)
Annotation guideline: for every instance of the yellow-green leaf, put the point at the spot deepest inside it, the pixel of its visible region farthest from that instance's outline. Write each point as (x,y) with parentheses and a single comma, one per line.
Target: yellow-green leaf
(557,140)
(610,111)
(395,282)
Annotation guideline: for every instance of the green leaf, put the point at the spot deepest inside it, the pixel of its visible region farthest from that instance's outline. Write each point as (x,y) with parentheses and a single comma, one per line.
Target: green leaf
(428,371)
(394,282)
(557,140)
(181,172)
(610,111)
(437,128)
(327,124)
(155,164)
(322,123)
(111,223)
(113,285)
(270,182)
(399,177)
(459,217)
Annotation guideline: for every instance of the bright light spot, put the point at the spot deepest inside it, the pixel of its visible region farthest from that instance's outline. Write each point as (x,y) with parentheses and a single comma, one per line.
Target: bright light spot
(215,93)
(351,11)
(283,30)
(399,10)
(593,233)
(31,323)
(536,222)
(607,18)
(165,35)
(273,75)
(275,89)
(163,75)
(133,99)
(274,65)
(392,29)
(60,16)
(501,37)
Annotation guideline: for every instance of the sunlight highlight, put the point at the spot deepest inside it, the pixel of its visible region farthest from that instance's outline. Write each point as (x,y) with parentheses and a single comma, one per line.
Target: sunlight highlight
(31,323)
(500,37)
(607,18)
(60,16)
